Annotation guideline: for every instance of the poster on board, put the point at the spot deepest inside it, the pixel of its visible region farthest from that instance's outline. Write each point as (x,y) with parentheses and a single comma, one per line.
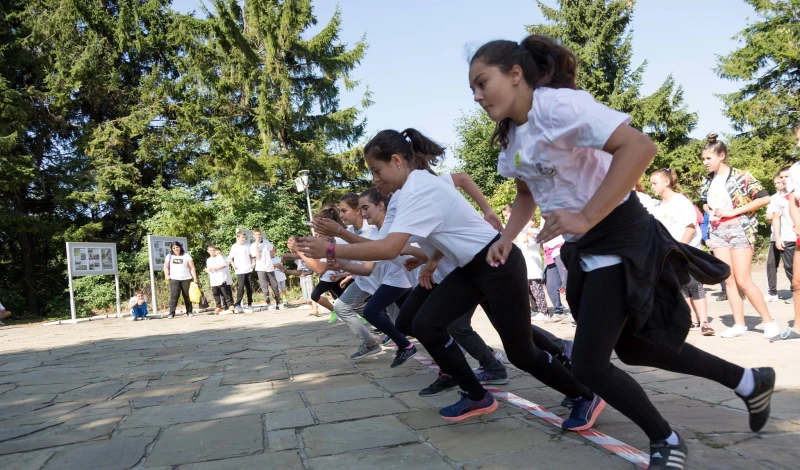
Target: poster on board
(160,247)
(88,259)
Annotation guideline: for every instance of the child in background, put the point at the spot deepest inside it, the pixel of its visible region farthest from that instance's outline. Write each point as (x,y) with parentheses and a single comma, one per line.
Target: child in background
(138,306)
(304,273)
(220,277)
(3,314)
(281,278)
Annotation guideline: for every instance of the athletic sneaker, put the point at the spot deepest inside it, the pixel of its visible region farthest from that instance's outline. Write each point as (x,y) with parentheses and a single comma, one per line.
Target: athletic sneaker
(442,384)
(771,298)
(790,300)
(584,413)
(466,408)
(226,312)
(555,318)
(285,304)
(366,349)
(665,456)
(790,334)
(271,307)
(238,309)
(568,402)
(171,316)
(384,340)
(771,330)
(333,318)
(248,309)
(539,317)
(487,378)
(758,402)
(217,310)
(567,318)
(722,297)
(363,320)
(402,355)
(189,314)
(132,318)
(734,331)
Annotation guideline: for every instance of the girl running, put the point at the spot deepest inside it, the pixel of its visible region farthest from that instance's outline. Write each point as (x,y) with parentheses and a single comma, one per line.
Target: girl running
(578,160)
(731,198)
(390,282)
(679,216)
(431,209)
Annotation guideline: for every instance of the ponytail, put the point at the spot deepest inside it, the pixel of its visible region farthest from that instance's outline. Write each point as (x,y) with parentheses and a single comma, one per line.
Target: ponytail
(716,146)
(332,213)
(419,151)
(543,61)
(670,175)
(351,199)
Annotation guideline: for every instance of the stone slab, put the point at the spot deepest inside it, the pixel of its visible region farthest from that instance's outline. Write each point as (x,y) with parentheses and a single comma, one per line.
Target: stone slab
(332,395)
(408,457)
(120,453)
(348,410)
(468,442)
(287,460)
(564,454)
(207,440)
(79,430)
(26,461)
(327,439)
(288,419)
(285,439)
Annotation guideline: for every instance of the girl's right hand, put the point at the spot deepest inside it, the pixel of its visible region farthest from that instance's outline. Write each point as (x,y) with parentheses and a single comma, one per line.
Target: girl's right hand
(325,227)
(499,251)
(426,274)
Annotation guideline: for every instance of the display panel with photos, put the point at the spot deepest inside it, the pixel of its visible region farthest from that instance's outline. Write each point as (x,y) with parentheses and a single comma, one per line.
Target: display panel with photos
(86,259)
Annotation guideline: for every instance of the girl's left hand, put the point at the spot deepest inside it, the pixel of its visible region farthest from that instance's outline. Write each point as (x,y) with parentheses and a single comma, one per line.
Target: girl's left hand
(563,222)
(499,252)
(313,247)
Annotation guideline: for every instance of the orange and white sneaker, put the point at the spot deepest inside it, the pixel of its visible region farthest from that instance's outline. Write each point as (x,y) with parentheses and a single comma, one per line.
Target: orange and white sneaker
(466,408)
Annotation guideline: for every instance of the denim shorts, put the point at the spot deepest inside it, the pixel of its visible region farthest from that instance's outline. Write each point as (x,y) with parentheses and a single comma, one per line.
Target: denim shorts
(728,235)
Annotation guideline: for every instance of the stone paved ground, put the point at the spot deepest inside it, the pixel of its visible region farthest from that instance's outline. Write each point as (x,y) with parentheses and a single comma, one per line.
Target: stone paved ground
(276,390)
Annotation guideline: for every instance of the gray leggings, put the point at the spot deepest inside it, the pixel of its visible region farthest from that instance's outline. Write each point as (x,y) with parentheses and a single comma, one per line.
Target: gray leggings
(349,307)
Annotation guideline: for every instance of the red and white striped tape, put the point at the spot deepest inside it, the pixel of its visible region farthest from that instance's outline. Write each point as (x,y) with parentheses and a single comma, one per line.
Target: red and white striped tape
(631,454)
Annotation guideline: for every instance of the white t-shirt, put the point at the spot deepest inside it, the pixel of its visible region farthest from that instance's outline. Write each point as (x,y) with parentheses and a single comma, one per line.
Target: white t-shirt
(387,272)
(794,177)
(676,215)
(779,205)
(240,254)
(217,277)
(179,266)
(432,209)
(559,153)
(265,263)
(279,275)
(302,267)
(647,201)
(718,197)
(531,251)
(367,284)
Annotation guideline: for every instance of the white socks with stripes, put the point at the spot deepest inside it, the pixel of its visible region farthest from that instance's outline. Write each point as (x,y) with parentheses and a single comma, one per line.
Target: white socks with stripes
(747,385)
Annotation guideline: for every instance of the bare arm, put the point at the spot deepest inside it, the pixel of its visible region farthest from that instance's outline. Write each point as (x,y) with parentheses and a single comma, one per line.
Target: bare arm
(315,264)
(387,249)
(358,269)
(465,182)
(193,271)
(688,234)
(524,208)
(415,252)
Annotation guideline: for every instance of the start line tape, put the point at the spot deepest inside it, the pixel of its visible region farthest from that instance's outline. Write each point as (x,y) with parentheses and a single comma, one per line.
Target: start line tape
(631,454)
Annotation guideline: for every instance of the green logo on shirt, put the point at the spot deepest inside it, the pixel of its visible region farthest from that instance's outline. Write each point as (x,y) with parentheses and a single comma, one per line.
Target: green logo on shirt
(516,159)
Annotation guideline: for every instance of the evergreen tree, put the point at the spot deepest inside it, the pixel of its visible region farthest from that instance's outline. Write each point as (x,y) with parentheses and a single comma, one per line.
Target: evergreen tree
(767,107)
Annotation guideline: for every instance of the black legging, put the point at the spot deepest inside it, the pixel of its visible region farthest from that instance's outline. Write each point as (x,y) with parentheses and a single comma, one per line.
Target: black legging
(176,289)
(375,311)
(326,286)
(602,327)
(543,339)
(505,289)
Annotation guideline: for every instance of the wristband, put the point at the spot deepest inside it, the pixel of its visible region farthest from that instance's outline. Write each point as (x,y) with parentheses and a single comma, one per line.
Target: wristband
(330,253)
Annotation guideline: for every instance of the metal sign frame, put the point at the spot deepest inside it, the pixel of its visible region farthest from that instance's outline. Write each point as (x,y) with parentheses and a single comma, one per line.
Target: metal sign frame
(91,259)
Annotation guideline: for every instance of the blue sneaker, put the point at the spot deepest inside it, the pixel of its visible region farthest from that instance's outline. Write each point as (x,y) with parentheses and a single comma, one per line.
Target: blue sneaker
(584,413)
(487,378)
(466,408)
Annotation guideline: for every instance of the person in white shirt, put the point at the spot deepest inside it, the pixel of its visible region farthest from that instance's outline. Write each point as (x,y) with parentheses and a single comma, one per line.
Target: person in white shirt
(647,201)
(433,210)
(3,314)
(578,160)
(679,216)
(218,275)
(262,251)
(303,272)
(243,264)
(281,278)
(179,271)
(782,237)
(792,183)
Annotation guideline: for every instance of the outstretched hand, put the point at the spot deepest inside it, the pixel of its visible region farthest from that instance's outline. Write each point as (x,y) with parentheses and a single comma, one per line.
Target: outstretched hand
(313,247)
(325,227)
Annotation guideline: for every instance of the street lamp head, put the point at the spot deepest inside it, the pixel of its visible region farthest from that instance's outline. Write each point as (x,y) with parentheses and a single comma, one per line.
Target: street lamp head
(304,176)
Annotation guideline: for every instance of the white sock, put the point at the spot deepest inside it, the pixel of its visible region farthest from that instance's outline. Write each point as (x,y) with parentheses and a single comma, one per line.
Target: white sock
(673,439)
(747,385)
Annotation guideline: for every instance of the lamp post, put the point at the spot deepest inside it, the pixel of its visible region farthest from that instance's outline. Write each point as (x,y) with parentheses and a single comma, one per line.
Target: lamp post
(302,183)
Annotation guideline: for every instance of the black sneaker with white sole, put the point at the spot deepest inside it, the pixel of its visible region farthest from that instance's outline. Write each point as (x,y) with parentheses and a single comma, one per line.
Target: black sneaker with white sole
(758,402)
(403,355)
(665,456)
(442,384)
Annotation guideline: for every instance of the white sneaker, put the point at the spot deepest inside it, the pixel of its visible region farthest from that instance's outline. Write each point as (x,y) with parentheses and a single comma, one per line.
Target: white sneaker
(132,318)
(539,317)
(771,330)
(771,298)
(271,307)
(734,331)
